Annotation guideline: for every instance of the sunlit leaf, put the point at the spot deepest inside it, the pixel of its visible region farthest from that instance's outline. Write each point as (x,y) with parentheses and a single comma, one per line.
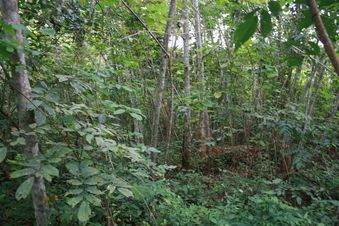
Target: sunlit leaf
(126,192)
(246,29)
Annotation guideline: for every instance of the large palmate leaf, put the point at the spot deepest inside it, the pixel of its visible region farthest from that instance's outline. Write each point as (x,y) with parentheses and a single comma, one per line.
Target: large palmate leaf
(246,29)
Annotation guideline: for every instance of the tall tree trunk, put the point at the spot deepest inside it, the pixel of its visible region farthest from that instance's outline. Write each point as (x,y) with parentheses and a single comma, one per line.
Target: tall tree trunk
(187,135)
(9,10)
(323,35)
(312,100)
(161,81)
(204,128)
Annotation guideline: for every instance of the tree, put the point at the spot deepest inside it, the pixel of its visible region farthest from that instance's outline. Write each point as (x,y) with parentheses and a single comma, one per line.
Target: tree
(20,77)
(187,138)
(204,127)
(323,35)
(161,79)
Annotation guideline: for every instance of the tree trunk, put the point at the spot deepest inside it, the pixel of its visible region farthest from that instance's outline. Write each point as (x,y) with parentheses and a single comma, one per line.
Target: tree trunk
(161,81)
(323,35)
(313,99)
(9,10)
(204,128)
(187,136)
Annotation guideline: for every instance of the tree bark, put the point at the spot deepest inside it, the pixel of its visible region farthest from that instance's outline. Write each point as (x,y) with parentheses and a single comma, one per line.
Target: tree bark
(10,13)
(187,137)
(161,81)
(323,35)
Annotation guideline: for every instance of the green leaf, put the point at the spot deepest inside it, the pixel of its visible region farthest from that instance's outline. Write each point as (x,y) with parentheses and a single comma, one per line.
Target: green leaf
(136,116)
(3,152)
(305,21)
(51,170)
(314,50)
(75,200)
(74,192)
(294,60)
(73,168)
(94,190)
(24,189)
(93,200)
(246,29)
(23,172)
(119,111)
(74,182)
(84,211)
(48,31)
(217,95)
(125,192)
(40,117)
(87,171)
(265,23)
(93,180)
(275,8)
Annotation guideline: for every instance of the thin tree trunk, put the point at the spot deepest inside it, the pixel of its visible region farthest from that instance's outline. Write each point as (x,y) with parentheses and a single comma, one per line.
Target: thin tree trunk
(161,81)
(314,70)
(9,10)
(205,133)
(295,83)
(313,99)
(187,135)
(323,35)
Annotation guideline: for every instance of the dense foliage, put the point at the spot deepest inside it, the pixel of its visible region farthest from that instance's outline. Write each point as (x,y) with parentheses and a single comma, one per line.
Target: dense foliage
(261,82)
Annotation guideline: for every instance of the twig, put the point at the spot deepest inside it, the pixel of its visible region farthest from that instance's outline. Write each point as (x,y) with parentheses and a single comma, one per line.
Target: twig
(145,26)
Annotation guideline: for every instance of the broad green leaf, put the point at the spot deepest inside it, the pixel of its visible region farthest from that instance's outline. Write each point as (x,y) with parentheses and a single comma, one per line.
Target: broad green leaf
(22,172)
(89,138)
(94,190)
(73,168)
(74,201)
(265,23)
(246,29)
(24,189)
(136,116)
(217,95)
(126,192)
(119,111)
(40,117)
(93,180)
(3,152)
(87,171)
(93,200)
(45,175)
(51,170)
(305,21)
(275,8)
(84,211)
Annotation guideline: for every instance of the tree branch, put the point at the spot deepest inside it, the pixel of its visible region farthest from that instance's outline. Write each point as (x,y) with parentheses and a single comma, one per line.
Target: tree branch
(323,35)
